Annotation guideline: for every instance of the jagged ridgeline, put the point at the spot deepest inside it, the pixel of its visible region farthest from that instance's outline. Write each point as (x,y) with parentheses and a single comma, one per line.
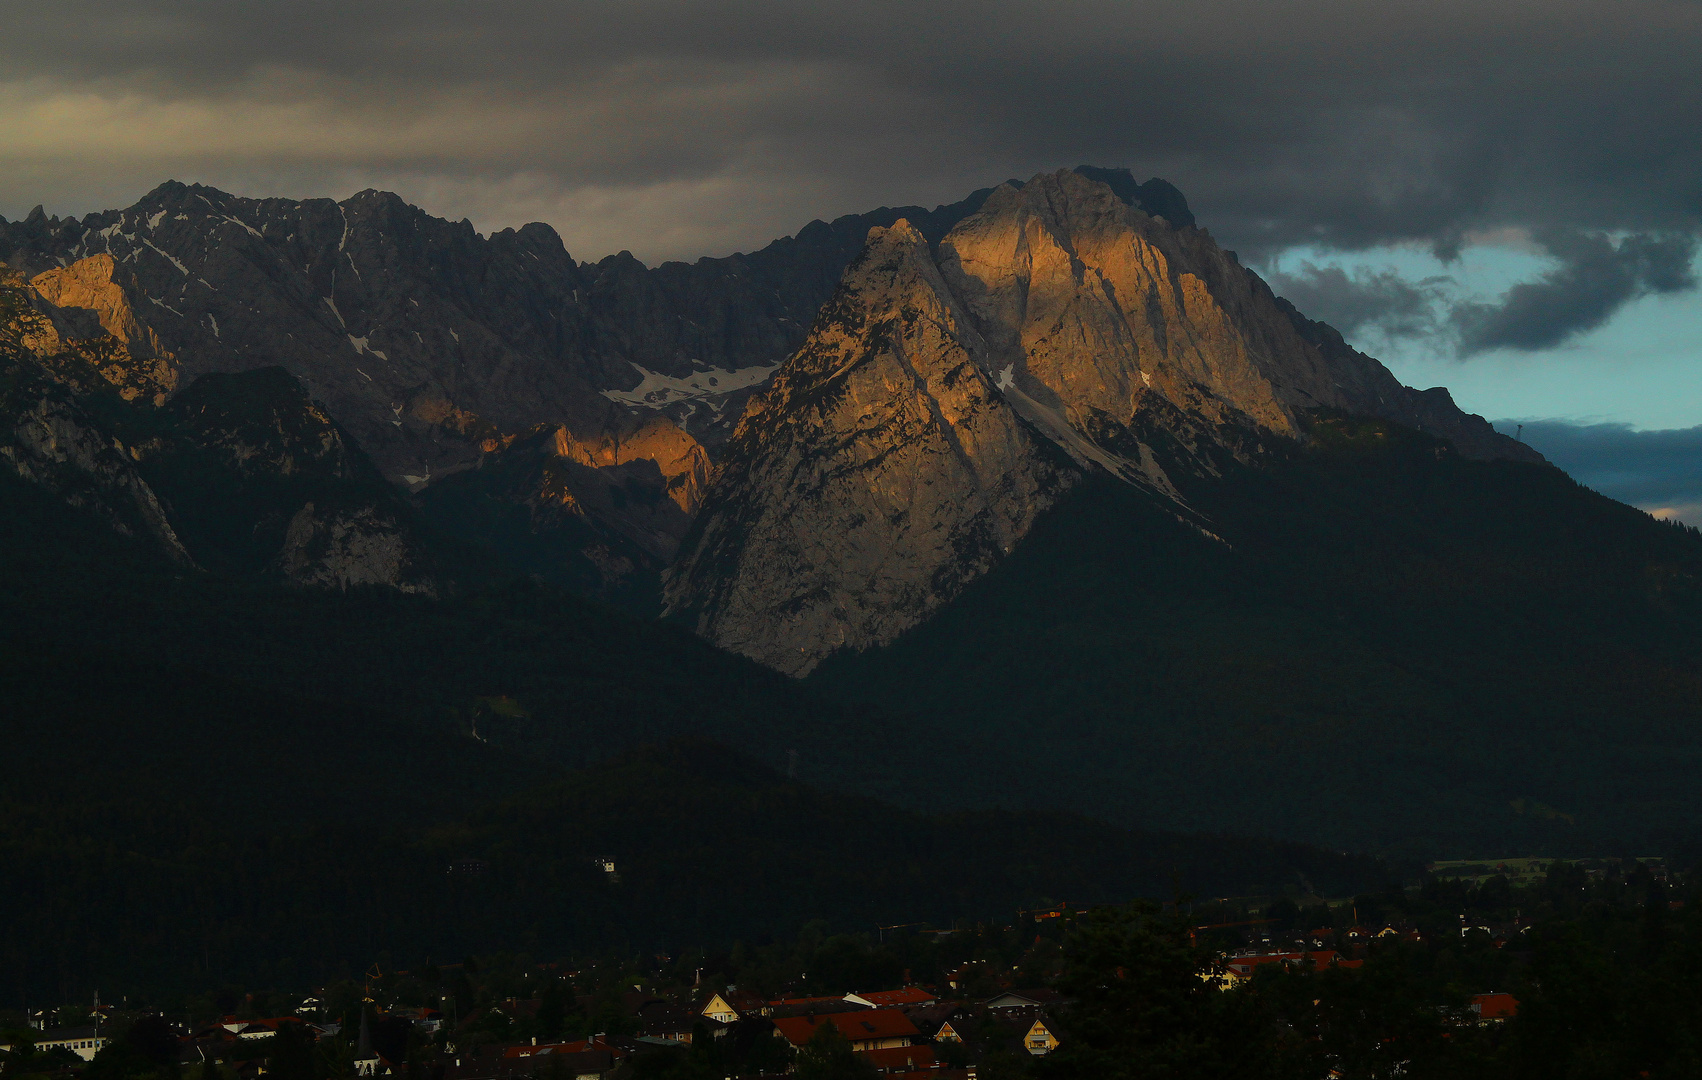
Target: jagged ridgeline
(558,411)
(1052,501)
(950,393)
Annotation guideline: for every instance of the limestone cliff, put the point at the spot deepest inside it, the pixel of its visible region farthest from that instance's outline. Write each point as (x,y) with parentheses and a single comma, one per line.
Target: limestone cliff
(132,359)
(48,440)
(238,472)
(1143,346)
(880,473)
(431,346)
(340,547)
(946,395)
(424,338)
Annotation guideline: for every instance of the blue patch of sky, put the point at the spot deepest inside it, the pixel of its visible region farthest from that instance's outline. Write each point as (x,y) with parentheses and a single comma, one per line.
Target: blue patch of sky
(1643,367)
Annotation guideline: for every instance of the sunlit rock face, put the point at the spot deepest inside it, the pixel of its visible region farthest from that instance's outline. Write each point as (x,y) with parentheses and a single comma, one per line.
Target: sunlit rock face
(1082,323)
(1131,340)
(947,395)
(880,472)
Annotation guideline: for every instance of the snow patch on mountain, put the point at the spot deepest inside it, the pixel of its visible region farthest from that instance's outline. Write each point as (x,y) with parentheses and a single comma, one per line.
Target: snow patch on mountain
(362,347)
(655,390)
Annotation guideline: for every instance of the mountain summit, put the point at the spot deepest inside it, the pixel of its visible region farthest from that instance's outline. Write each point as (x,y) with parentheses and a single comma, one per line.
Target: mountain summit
(977,360)
(948,393)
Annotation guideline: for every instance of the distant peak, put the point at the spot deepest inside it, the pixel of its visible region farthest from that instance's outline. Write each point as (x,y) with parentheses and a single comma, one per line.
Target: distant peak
(383,198)
(205,191)
(167,190)
(899,232)
(1159,198)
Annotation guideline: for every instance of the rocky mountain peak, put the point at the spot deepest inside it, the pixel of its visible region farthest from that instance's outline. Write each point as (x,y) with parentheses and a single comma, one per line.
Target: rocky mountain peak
(879,473)
(1159,198)
(944,397)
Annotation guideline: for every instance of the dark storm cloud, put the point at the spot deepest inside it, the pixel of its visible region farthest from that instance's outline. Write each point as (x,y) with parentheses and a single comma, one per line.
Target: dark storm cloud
(1595,278)
(1379,300)
(1322,121)
(1660,471)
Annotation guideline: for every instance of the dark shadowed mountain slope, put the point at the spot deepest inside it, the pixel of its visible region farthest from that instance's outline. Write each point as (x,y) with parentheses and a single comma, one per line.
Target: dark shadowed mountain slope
(422,336)
(559,394)
(211,781)
(236,473)
(1395,648)
(518,664)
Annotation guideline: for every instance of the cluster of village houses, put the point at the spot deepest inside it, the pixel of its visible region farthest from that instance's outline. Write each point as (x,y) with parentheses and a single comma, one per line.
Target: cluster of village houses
(907,1033)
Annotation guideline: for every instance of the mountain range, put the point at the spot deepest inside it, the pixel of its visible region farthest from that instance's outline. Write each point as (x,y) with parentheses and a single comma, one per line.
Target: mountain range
(1041,499)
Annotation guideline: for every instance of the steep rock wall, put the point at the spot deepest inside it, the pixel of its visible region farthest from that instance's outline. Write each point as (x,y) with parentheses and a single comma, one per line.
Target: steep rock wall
(947,395)
(880,473)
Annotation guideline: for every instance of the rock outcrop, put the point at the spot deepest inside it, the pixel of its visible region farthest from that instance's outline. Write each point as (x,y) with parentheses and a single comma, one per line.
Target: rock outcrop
(881,472)
(435,347)
(48,440)
(1131,340)
(572,409)
(337,548)
(945,396)
(241,471)
(424,338)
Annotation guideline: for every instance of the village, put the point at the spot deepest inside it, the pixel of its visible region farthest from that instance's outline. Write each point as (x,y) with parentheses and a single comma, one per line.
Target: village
(980,1021)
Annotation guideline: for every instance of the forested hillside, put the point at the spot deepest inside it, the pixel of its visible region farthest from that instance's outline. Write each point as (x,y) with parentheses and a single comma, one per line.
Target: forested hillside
(1391,648)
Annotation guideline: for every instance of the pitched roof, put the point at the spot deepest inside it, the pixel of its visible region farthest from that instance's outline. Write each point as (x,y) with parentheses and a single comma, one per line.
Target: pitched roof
(596,1042)
(813,1006)
(901,1059)
(1322,958)
(1024,999)
(886,999)
(860,1026)
(1495,1006)
(931,1016)
(677,1020)
(742,1001)
(598,1059)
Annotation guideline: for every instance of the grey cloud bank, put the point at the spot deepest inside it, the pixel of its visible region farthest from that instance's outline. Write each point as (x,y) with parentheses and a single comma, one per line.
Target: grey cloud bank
(1379,300)
(1593,277)
(1596,277)
(696,128)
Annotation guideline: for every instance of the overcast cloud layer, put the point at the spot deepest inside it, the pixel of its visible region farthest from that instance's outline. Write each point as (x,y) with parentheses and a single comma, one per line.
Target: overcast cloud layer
(677,129)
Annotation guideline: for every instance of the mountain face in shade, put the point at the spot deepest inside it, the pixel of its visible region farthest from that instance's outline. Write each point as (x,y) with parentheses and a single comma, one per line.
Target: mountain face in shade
(563,415)
(421,335)
(1045,473)
(241,472)
(443,352)
(944,397)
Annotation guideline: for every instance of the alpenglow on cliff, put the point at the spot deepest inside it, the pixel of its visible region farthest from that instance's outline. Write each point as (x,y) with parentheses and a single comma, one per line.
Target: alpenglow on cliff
(949,393)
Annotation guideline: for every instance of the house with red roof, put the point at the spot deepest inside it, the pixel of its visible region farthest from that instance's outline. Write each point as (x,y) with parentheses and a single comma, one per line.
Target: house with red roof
(865,1029)
(893,999)
(1238,969)
(1494,1008)
(900,1060)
